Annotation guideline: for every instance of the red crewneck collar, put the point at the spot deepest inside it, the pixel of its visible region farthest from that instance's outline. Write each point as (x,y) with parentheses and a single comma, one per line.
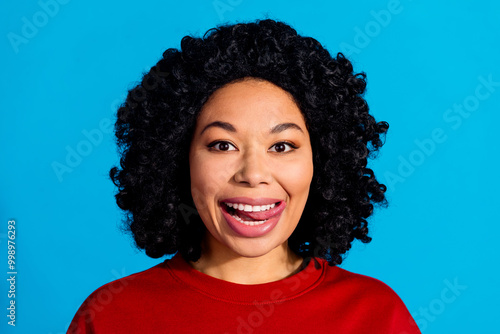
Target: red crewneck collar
(278,291)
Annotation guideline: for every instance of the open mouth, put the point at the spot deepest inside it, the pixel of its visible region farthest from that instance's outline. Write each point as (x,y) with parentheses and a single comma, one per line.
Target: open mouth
(251,215)
(252,220)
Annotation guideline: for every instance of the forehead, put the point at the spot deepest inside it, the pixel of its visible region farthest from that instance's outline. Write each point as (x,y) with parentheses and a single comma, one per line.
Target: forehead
(251,101)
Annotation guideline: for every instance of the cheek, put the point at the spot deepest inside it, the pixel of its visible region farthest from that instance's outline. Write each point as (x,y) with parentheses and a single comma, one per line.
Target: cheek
(208,177)
(296,178)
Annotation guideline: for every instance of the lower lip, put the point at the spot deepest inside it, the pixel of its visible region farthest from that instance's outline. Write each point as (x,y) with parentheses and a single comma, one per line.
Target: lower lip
(252,231)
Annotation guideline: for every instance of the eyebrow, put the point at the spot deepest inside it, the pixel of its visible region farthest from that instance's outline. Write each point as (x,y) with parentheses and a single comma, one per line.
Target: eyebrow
(229,127)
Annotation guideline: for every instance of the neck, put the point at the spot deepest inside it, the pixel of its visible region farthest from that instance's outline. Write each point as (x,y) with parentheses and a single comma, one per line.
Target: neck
(279,263)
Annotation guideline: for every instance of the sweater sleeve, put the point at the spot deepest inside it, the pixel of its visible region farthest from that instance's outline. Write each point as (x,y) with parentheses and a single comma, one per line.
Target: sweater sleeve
(402,322)
(391,308)
(82,322)
(367,305)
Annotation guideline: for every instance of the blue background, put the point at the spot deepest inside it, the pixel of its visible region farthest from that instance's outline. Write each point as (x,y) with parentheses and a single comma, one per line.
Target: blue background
(66,75)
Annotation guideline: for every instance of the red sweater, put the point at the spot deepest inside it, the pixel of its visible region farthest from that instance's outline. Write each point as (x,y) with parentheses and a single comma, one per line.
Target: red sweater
(172,297)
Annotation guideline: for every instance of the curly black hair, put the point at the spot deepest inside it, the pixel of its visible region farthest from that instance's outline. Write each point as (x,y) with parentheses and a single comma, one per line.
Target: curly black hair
(155,124)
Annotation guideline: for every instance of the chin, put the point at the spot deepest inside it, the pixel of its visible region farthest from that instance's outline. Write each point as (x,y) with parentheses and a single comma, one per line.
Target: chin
(253,248)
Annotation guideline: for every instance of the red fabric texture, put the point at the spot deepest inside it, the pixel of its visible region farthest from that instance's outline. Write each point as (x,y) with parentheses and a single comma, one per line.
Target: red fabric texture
(172,297)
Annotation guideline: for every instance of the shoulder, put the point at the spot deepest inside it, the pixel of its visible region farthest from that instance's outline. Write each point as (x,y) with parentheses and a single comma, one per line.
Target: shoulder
(357,284)
(116,300)
(366,292)
(134,283)
(357,296)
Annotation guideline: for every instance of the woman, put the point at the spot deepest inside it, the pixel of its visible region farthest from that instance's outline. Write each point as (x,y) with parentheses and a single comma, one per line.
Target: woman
(244,154)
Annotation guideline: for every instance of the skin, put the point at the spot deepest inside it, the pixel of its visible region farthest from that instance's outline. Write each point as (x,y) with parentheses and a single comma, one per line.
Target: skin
(252,162)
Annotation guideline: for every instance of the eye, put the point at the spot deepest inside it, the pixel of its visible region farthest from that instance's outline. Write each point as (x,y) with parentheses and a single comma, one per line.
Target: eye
(283,147)
(222,146)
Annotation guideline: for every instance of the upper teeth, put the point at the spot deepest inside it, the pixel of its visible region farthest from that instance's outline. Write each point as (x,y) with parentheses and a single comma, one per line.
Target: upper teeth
(250,208)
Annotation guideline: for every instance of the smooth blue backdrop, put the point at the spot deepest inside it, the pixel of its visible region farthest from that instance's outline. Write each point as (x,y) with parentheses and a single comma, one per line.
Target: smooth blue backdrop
(66,67)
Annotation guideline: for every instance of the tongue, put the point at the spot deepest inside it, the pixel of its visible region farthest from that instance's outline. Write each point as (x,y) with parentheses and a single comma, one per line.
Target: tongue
(258,215)
(249,216)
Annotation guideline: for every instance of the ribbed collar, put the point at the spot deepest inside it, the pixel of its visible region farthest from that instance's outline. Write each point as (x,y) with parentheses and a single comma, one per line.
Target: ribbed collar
(288,288)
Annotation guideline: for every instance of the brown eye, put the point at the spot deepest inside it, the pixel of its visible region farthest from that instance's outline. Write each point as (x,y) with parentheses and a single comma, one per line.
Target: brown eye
(280,147)
(222,146)
(283,147)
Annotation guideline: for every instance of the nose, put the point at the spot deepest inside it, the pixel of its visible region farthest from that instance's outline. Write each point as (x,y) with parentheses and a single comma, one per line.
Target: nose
(254,169)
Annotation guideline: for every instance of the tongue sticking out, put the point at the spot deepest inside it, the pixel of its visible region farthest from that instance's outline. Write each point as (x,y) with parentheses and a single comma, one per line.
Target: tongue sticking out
(249,216)
(257,215)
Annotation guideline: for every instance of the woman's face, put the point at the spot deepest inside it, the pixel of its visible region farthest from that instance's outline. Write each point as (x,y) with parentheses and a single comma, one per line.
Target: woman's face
(251,166)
